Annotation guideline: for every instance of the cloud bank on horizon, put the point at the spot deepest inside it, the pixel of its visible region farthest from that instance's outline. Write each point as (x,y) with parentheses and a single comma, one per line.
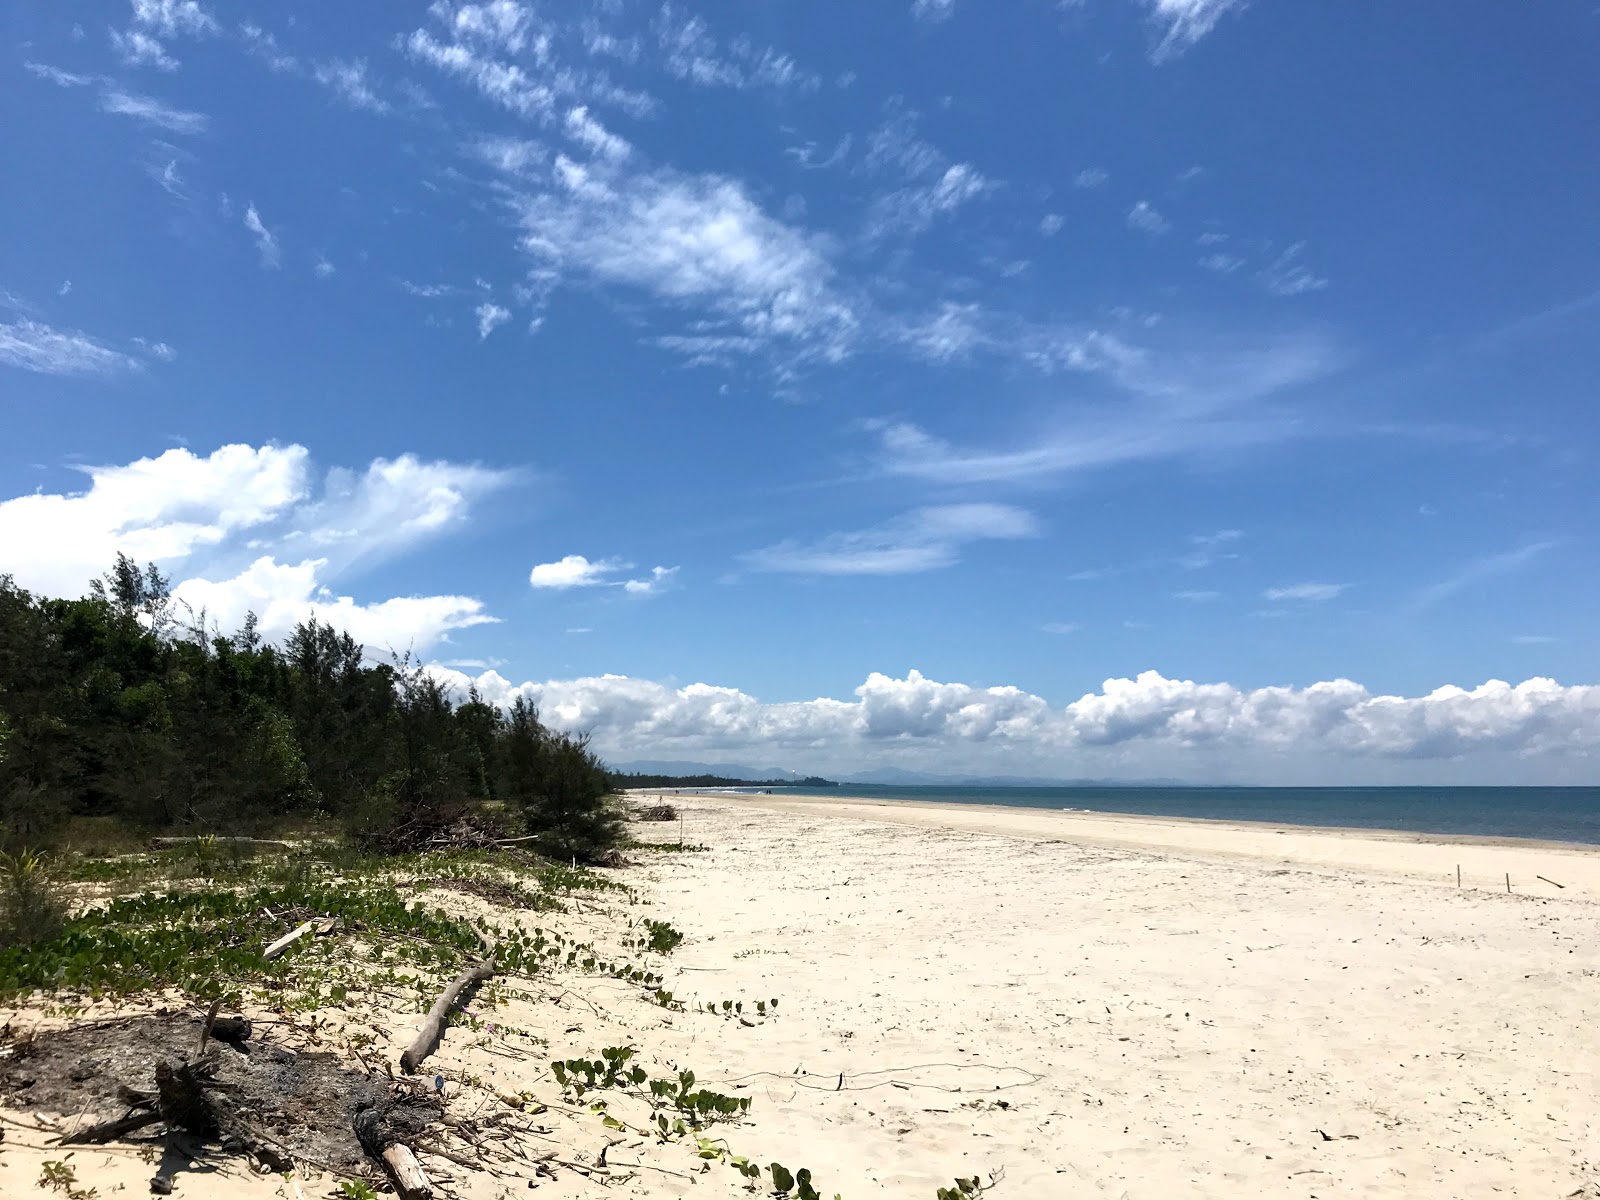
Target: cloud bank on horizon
(1080,351)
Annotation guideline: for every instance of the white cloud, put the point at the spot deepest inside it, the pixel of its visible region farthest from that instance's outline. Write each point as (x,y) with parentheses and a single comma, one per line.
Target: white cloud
(34,346)
(584,129)
(807,157)
(490,317)
(266,243)
(170,18)
(161,509)
(57,76)
(323,268)
(657,581)
(933,10)
(1310,592)
(1128,727)
(348,79)
(573,571)
(1220,262)
(283,595)
(264,46)
(1050,224)
(428,291)
(923,539)
(952,333)
(576,571)
(1143,217)
(156,349)
(139,49)
(152,112)
(170,180)
(1091,177)
(251,528)
(508,154)
(1197,596)
(506,84)
(1061,628)
(1533,639)
(503,24)
(914,209)
(693,55)
(1286,275)
(694,241)
(1206,549)
(1182,23)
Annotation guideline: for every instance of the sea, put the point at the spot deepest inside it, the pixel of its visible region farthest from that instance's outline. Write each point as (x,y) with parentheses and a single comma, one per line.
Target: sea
(1563,814)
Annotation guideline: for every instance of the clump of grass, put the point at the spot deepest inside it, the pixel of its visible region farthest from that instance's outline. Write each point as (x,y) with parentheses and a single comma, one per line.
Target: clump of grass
(33,905)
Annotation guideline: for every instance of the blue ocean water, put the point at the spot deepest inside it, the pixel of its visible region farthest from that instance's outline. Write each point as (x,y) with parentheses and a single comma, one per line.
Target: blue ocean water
(1565,814)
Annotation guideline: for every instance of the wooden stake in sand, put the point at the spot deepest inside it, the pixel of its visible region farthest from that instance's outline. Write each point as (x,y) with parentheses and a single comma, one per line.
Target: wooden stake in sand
(433,1027)
(1508,883)
(287,940)
(1458,874)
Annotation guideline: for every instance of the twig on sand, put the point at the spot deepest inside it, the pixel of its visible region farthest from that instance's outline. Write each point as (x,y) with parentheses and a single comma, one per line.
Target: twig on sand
(1552,882)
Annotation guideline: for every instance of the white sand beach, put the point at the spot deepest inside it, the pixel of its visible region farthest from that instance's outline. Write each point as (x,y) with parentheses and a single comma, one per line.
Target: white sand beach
(1142,1008)
(1072,1005)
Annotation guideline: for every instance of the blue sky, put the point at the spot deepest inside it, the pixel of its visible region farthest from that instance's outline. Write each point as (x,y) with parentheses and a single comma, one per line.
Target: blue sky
(681,365)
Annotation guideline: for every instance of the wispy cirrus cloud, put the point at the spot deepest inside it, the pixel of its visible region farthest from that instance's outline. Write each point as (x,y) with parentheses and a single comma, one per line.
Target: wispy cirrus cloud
(153,112)
(913,209)
(1287,275)
(924,539)
(693,55)
(138,49)
(1309,592)
(35,346)
(1182,23)
(266,241)
(933,11)
(1480,570)
(56,75)
(348,80)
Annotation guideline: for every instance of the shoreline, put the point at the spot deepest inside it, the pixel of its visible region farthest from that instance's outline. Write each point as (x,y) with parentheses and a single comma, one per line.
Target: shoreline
(1570,870)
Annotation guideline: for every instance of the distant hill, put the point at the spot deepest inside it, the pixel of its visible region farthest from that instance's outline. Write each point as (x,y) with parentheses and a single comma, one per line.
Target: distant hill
(676,767)
(735,774)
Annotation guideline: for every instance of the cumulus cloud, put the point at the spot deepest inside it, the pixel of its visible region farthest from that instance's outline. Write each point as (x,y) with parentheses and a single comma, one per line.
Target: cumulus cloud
(266,242)
(1128,723)
(923,539)
(34,346)
(490,317)
(247,526)
(1050,224)
(1091,177)
(576,571)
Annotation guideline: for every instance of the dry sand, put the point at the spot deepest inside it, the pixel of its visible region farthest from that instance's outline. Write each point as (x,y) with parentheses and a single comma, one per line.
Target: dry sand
(1108,1006)
(1085,1005)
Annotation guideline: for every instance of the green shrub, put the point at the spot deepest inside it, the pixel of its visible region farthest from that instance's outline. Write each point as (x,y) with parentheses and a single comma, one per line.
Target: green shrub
(33,906)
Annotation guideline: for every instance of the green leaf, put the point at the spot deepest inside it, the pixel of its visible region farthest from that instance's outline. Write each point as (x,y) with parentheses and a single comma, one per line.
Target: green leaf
(782,1180)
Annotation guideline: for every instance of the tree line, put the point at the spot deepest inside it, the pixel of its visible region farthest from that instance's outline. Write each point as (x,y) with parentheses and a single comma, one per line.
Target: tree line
(124,705)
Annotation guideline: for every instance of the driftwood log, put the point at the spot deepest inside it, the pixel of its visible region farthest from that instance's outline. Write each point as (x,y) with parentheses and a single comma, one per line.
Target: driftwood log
(179,1101)
(403,1169)
(248,844)
(433,1026)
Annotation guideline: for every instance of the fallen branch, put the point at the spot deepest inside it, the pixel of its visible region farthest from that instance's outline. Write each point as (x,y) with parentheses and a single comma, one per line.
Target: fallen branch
(1552,882)
(242,843)
(110,1131)
(402,1166)
(287,940)
(433,1027)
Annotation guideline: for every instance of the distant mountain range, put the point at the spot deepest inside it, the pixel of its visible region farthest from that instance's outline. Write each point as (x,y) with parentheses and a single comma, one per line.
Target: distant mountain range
(881,777)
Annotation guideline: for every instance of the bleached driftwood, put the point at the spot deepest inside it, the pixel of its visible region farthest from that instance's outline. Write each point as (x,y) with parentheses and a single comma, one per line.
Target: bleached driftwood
(433,1025)
(398,1161)
(287,940)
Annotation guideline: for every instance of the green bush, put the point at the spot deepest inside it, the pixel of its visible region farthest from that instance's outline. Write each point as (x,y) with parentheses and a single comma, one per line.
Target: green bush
(33,906)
